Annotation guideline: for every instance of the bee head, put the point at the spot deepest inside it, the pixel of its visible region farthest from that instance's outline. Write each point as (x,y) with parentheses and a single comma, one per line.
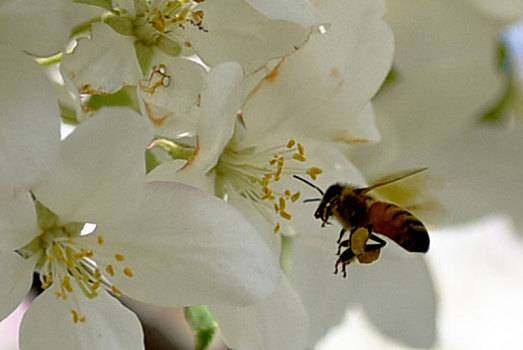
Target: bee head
(328,203)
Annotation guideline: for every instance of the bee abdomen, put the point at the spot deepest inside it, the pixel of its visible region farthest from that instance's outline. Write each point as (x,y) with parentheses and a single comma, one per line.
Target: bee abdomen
(399,225)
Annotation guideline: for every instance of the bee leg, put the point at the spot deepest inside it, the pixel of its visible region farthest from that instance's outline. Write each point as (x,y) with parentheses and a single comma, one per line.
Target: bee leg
(342,232)
(377,239)
(343,244)
(345,258)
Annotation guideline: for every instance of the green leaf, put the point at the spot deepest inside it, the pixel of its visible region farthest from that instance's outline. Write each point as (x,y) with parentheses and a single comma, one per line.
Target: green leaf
(124,97)
(500,110)
(106,4)
(203,325)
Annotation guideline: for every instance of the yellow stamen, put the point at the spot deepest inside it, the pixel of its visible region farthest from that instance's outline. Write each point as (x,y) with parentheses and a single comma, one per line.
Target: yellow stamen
(76,317)
(295,196)
(119,257)
(299,157)
(110,269)
(291,143)
(100,240)
(116,291)
(128,272)
(314,172)
(301,149)
(285,215)
(97,274)
(277,228)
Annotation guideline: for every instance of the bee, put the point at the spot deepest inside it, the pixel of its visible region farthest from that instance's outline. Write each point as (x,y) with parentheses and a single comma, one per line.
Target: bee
(363,215)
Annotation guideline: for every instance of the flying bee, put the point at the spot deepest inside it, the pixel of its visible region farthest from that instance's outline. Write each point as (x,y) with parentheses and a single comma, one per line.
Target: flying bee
(356,209)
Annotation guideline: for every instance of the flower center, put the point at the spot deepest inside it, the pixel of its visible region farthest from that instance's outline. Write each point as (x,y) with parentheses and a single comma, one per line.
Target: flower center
(63,259)
(163,17)
(255,175)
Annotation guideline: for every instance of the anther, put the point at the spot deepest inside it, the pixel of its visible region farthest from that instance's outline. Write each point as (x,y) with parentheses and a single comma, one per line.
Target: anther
(119,257)
(116,291)
(128,272)
(110,269)
(291,143)
(100,240)
(299,157)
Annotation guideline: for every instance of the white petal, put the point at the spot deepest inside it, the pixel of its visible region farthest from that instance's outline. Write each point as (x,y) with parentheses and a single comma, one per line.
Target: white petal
(170,172)
(298,11)
(322,89)
(398,296)
(100,169)
(29,123)
(48,324)
(220,103)
(18,224)
(177,97)
(104,63)
(41,27)
(16,275)
(277,322)
(187,247)
(243,35)
(396,291)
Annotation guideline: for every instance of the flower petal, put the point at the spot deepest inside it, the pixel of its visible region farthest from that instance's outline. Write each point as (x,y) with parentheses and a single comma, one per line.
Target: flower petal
(48,324)
(41,27)
(16,275)
(396,291)
(104,63)
(297,11)
(257,327)
(177,95)
(322,89)
(187,247)
(30,129)
(237,32)
(18,223)
(100,169)
(220,103)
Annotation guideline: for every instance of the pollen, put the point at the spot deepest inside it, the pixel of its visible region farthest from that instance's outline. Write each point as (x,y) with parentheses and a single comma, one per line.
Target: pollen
(128,272)
(116,291)
(119,257)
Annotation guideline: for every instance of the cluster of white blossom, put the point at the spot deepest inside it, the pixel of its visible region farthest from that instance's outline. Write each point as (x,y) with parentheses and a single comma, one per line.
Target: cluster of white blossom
(176,186)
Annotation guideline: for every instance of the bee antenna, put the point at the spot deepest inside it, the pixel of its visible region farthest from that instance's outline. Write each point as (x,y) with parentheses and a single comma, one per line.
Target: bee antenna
(310,184)
(311,200)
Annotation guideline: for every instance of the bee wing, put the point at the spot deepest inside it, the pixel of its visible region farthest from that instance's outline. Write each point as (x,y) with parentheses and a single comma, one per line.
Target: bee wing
(393,178)
(415,194)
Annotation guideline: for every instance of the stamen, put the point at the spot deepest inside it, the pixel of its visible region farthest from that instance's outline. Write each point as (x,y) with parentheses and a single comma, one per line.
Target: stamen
(110,269)
(119,257)
(100,240)
(128,272)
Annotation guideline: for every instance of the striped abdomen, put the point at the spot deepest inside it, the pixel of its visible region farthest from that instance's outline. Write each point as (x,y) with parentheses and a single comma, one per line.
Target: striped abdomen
(399,225)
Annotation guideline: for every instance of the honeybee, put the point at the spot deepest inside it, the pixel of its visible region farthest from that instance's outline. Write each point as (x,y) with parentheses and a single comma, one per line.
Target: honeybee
(362,214)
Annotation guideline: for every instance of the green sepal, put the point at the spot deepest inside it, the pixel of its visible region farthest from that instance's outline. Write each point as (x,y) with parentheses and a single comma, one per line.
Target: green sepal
(174,150)
(203,324)
(120,24)
(106,4)
(125,97)
(145,55)
(68,115)
(151,161)
(45,217)
(169,46)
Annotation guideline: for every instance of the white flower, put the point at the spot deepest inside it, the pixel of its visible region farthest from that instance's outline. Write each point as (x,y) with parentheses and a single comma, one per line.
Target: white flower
(41,27)
(318,95)
(230,30)
(163,243)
